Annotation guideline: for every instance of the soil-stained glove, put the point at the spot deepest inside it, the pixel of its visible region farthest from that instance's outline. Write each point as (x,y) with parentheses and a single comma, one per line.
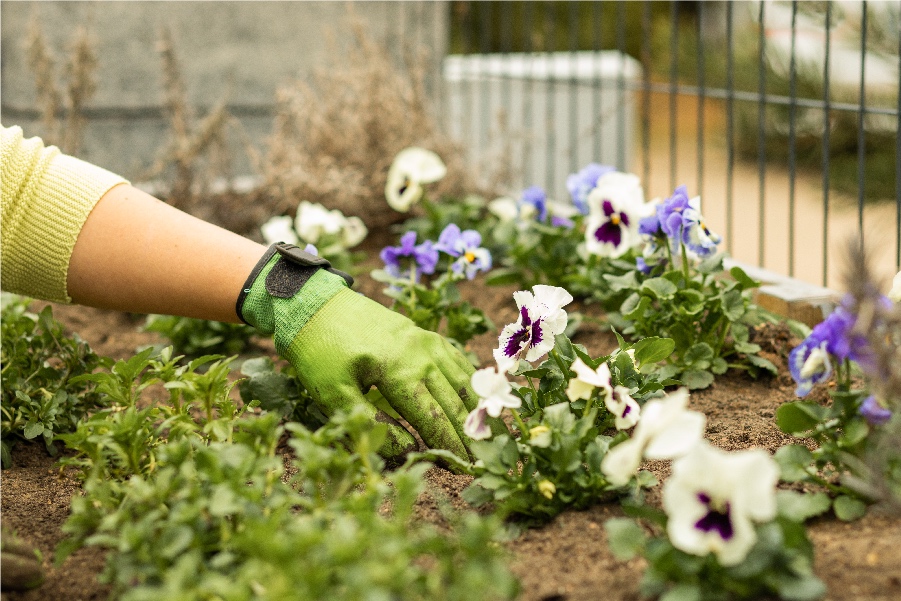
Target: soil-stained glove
(342,343)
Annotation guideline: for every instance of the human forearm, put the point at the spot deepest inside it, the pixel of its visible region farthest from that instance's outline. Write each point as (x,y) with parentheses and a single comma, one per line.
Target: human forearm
(136,253)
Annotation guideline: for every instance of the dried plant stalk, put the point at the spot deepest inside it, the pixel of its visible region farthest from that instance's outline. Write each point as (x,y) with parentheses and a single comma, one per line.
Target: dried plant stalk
(81,71)
(335,135)
(43,65)
(190,141)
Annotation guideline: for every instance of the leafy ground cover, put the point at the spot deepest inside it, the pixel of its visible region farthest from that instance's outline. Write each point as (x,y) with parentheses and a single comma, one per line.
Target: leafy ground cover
(569,557)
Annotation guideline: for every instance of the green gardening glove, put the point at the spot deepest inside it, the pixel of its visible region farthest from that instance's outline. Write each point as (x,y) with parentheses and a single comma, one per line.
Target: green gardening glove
(342,343)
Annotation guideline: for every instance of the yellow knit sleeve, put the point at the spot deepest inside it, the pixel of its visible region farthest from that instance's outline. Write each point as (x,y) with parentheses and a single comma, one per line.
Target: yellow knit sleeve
(46,198)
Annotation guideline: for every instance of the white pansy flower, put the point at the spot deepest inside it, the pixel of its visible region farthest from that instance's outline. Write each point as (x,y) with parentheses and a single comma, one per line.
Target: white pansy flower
(615,207)
(411,168)
(279,229)
(354,232)
(494,392)
(894,294)
(666,430)
(314,220)
(504,208)
(624,408)
(541,318)
(713,498)
(587,379)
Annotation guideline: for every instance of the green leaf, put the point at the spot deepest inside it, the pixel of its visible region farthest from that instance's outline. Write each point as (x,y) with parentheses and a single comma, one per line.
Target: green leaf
(682,592)
(799,416)
(627,281)
(733,304)
(800,507)
(660,288)
(793,461)
(33,429)
(625,537)
(504,276)
(697,379)
(803,588)
(744,280)
(848,508)
(699,355)
(763,364)
(637,312)
(653,350)
(719,366)
(691,302)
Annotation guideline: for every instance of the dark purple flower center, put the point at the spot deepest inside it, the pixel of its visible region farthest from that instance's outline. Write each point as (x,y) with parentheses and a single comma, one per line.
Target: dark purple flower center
(526,337)
(717,518)
(611,230)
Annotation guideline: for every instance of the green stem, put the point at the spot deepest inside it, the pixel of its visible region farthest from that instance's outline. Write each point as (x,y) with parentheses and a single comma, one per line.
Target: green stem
(412,287)
(684,263)
(534,391)
(524,432)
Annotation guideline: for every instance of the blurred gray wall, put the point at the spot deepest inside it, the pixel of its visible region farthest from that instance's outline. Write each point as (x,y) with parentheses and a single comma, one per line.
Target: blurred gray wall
(243,49)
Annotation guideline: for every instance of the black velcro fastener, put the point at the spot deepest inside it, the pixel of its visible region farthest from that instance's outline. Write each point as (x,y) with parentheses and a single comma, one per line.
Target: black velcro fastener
(286,278)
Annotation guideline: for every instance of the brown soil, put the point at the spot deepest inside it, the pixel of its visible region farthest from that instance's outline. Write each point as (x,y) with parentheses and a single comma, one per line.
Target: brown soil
(567,559)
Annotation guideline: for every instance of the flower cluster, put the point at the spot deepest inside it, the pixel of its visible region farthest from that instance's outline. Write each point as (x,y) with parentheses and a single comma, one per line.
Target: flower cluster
(409,260)
(314,224)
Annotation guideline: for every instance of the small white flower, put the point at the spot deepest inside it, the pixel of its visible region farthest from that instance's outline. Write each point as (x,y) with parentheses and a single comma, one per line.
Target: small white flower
(354,232)
(504,208)
(714,497)
(476,424)
(541,318)
(615,207)
(587,380)
(411,168)
(666,430)
(314,220)
(279,229)
(894,294)
(494,392)
(621,404)
(493,388)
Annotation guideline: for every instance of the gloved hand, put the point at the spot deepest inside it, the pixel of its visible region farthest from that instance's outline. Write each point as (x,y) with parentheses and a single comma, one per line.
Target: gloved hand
(342,343)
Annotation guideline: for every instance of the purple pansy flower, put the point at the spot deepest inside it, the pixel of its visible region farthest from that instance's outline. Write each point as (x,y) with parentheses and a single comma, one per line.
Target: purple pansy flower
(874,412)
(466,246)
(399,260)
(810,362)
(679,217)
(582,183)
(537,199)
(541,318)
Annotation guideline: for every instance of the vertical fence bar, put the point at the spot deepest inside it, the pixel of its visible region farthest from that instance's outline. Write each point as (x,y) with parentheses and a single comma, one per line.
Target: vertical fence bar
(673,87)
(550,125)
(861,138)
(827,130)
(646,90)
(527,116)
(761,134)
(597,80)
(485,25)
(792,109)
(730,119)
(702,94)
(621,85)
(573,83)
(898,167)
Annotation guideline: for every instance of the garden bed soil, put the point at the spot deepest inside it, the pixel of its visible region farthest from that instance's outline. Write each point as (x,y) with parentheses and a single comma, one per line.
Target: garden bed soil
(565,560)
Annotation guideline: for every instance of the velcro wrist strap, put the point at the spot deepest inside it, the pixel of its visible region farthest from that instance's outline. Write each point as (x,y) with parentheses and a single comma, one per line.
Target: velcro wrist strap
(285,289)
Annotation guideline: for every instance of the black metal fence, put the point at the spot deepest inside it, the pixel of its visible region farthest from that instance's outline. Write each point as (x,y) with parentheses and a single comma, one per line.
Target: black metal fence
(783,116)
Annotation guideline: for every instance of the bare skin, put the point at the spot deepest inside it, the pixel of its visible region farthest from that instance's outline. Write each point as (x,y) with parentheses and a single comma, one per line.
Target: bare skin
(136,253)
